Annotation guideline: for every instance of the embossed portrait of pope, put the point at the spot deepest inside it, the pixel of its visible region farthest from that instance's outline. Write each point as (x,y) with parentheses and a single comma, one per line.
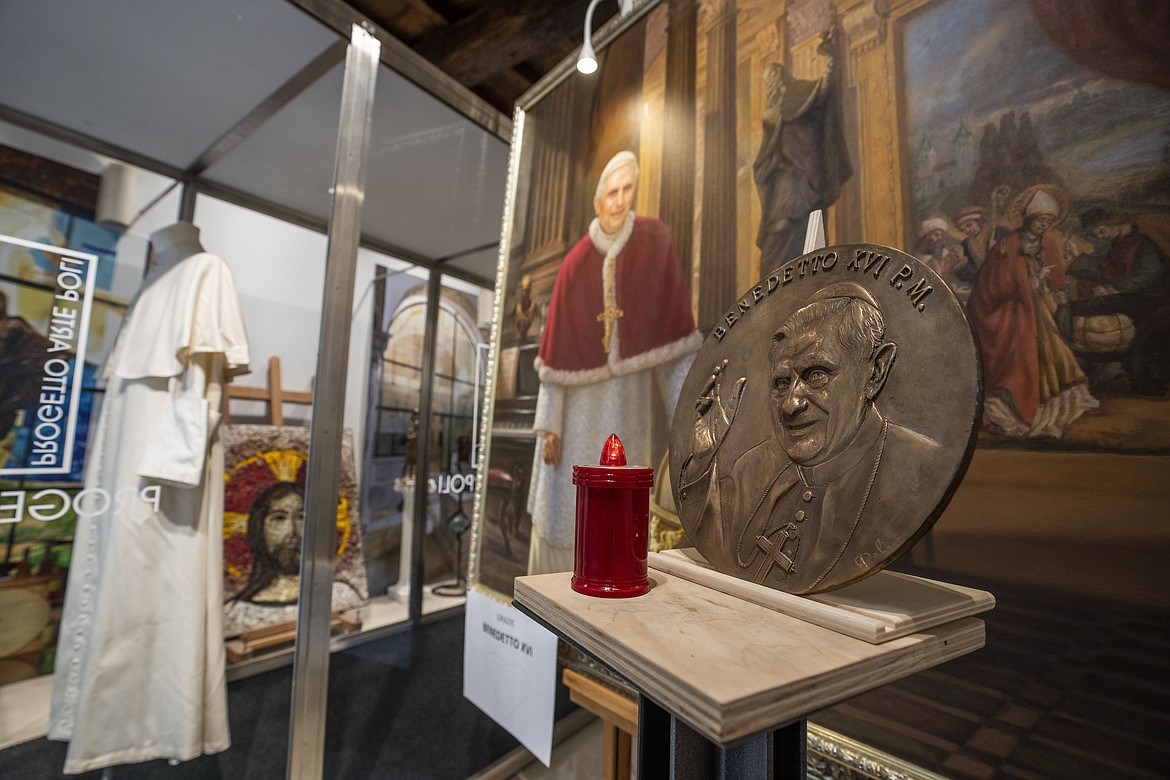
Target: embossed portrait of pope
(828,496)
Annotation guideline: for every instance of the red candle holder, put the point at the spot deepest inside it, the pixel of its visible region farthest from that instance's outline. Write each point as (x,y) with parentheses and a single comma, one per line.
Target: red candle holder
(613,525)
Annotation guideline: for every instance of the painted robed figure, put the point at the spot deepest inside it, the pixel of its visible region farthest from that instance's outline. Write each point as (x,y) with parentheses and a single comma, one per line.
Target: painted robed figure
(619,332)
(1035,388)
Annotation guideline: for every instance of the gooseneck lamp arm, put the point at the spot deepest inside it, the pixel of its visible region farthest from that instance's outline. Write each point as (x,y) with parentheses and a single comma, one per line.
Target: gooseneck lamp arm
(587,60)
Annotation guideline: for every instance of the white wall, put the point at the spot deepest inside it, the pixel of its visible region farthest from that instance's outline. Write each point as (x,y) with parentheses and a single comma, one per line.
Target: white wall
(279,270)
(280,273)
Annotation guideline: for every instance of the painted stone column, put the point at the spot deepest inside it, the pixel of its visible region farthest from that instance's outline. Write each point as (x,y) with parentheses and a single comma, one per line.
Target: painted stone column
(677,199)
(717,250)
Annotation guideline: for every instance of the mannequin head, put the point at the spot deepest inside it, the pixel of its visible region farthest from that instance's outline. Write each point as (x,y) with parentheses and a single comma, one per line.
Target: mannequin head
(173,243)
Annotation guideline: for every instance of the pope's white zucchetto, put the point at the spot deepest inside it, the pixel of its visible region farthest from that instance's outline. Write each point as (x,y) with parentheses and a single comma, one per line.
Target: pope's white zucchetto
(617,162)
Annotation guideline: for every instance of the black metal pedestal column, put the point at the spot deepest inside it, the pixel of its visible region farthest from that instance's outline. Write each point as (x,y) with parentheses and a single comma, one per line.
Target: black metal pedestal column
(670,749)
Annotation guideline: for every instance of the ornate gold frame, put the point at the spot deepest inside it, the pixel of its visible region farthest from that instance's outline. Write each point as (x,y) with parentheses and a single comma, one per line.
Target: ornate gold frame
(873,72)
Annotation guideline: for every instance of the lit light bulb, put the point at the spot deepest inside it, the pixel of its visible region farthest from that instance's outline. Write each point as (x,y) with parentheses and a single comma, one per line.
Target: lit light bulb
(613,453)
(587,62)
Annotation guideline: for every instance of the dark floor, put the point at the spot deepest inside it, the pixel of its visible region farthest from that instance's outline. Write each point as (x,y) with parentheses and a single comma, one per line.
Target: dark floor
(396,710)
(1066,687)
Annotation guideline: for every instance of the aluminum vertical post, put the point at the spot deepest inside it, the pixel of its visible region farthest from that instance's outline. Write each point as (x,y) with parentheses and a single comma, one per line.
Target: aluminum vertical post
(187,201)
(425,435)
(311,658)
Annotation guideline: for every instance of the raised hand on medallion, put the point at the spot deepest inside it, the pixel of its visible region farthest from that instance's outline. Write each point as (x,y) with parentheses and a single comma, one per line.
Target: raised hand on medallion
(713,415)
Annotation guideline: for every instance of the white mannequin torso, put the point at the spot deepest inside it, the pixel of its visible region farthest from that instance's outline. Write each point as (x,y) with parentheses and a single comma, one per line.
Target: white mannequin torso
(172,244)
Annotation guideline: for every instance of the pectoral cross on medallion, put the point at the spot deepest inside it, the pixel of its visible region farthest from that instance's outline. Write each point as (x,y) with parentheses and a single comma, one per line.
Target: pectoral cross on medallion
(774,554)
(609,316)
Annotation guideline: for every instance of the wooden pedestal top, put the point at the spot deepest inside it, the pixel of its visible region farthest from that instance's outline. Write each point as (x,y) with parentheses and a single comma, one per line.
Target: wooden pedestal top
(727,667)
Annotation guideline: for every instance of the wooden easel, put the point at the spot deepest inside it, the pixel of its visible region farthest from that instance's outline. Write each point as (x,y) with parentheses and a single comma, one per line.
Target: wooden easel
(619,721)
(274,395)
(256,640)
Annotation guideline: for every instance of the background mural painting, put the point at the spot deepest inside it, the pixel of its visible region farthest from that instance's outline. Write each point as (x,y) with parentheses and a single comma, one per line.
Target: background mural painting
(60,214)
(46,205)
(995,111)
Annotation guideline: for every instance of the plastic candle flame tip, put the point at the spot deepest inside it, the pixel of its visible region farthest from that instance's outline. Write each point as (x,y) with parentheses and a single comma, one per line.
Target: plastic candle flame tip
(613,453)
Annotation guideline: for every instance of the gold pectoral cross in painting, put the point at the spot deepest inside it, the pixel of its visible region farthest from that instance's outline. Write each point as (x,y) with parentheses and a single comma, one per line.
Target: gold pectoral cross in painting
(774,554)
(609,316)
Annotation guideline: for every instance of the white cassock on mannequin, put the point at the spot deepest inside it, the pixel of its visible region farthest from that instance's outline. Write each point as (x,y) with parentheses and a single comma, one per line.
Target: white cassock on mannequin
(140,661)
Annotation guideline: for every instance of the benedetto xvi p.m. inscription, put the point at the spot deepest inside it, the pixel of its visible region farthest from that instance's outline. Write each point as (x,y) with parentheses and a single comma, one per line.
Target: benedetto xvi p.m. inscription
(870,261)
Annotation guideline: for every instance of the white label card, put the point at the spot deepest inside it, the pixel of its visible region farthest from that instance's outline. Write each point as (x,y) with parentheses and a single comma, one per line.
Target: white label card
(510,671)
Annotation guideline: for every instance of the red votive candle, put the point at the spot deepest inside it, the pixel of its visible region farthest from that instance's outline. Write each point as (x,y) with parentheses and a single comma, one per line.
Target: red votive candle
(613,525)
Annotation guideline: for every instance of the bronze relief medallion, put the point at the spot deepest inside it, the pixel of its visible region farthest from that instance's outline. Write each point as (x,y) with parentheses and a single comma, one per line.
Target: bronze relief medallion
(827,419)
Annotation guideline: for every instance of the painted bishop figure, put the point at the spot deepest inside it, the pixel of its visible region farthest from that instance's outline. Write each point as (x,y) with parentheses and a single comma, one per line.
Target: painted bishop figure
(619,332)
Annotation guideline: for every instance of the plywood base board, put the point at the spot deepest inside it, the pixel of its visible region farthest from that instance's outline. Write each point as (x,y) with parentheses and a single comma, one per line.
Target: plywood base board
(885,606)
(727,667)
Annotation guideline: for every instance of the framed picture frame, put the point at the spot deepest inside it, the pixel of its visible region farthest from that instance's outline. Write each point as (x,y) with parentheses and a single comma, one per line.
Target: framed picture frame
(566,129)
(692,92)
(692,89)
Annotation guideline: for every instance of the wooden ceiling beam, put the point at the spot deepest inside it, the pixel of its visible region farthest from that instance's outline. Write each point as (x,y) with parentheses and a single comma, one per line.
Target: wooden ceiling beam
(408,20)
(506,86)
(501,34)
(496,48)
